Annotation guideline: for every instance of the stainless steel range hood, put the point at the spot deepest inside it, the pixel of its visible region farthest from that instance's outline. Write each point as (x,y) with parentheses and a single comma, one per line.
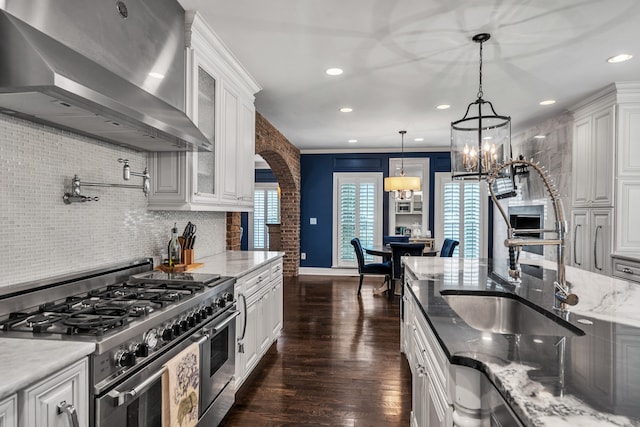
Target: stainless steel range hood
(51,78)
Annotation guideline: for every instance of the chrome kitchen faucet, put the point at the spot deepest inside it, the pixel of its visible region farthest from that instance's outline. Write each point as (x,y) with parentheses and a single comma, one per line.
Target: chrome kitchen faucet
(563,296)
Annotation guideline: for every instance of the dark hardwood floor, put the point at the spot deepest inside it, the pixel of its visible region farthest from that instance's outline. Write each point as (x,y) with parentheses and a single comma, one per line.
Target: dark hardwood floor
(337,363)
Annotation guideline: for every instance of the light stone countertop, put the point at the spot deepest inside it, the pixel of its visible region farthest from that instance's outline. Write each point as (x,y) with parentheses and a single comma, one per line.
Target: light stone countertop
(236,263)
(24,362)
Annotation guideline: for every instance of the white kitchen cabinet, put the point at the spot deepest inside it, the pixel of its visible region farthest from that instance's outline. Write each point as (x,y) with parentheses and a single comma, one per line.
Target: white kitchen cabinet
(431,404)
(591,240)
(276,307)
(51,402)
(606,174)
(262,291)
(9,411)
(593,154)
(220,101)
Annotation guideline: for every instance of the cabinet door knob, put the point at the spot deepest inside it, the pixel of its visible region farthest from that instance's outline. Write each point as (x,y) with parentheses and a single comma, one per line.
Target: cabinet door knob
(627,270)
(72,415)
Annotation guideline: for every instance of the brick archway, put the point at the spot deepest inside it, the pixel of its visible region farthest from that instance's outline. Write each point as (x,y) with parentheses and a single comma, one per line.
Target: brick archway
(284,159)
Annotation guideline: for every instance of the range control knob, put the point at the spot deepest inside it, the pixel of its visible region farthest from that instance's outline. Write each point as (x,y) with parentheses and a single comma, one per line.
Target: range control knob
(125,359)
(204,313)
(228,296)
(220,302)
(191,320)
(167,334)
(176,327)
(151,339)
(209,310)
(197,316)
(140,349)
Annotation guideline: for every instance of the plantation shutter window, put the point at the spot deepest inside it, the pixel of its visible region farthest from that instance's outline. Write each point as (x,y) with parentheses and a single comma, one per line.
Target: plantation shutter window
(462,215)
(358,199)
(266,210)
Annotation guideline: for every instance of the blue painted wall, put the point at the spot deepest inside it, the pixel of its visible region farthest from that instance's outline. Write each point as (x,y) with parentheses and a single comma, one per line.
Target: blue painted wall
(316,195)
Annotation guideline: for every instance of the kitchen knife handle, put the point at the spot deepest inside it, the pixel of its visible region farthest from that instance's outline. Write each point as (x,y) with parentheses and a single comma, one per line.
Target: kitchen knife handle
(70,410)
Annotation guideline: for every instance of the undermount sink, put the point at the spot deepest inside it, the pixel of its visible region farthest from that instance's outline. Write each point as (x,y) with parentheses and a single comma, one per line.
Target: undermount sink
(504,314)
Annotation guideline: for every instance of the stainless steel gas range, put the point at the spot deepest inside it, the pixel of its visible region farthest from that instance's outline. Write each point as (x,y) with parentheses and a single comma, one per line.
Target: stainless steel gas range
(139,319)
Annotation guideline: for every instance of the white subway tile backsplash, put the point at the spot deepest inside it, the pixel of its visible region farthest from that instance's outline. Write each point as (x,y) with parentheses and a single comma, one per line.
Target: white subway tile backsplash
(43,237)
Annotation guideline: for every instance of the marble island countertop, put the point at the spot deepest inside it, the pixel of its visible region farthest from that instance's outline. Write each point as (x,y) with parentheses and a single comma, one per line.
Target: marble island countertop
(591,378)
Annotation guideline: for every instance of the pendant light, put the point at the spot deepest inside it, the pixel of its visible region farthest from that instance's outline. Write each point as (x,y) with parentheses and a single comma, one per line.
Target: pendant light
(481,139)
(402,187)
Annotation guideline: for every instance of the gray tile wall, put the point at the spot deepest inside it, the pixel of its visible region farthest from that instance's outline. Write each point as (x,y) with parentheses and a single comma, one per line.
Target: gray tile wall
(43,237)
(554,153)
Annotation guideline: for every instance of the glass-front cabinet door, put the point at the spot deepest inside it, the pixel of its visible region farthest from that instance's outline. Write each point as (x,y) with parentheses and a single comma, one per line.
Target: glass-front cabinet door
(204,175)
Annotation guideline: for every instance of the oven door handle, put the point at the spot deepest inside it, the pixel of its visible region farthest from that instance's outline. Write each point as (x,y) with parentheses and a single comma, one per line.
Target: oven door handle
(120,398)
(220,326)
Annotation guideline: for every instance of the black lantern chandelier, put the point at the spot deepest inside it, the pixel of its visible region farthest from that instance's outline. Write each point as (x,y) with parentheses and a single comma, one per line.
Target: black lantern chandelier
(480,140)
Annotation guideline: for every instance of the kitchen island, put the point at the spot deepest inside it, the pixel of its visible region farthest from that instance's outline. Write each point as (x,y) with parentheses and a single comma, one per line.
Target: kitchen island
(587,375)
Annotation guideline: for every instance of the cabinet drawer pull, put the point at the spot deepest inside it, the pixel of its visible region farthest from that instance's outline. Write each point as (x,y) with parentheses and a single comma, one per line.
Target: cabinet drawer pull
(575,247)
(595,249)
(627,270)
(70,410)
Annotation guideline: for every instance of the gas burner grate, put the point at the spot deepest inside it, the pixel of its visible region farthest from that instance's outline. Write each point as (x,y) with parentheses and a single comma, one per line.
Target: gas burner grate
(96,320)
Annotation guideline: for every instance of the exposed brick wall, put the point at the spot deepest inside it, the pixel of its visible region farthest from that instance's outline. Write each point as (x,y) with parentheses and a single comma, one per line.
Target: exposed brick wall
(233,231)
(284,159)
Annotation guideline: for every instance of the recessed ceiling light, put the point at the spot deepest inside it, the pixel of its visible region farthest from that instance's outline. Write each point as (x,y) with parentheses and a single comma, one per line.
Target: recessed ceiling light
(619,58)
(334,71)
(539,137)
(418,139)
(353,140)
(548,102)
(443,106)
(346,109)
(487,137)
(156,75)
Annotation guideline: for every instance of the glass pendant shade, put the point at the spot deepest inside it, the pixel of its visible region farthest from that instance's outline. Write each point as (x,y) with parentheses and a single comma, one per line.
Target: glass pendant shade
(402,186)
(480,140)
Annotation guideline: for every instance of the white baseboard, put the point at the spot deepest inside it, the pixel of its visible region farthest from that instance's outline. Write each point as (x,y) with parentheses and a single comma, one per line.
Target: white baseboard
(318,271)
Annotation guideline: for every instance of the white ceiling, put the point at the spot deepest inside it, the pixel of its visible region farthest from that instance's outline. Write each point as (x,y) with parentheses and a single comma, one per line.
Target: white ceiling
(401,58)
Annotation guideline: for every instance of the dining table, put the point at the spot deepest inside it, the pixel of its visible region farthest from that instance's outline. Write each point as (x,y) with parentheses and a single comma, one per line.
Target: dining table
(385,251)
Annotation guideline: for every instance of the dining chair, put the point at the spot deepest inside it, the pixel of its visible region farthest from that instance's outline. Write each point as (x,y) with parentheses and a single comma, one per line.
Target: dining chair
(448,246)
(395,239)
(398,250)
(373,268)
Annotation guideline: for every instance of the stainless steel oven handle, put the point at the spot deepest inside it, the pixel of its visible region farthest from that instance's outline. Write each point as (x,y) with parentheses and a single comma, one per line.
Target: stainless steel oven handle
(220,326)
(120,398)
(70,410)
(202,339)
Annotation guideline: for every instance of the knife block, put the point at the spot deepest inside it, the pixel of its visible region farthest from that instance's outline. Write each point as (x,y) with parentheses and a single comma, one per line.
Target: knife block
(187,256)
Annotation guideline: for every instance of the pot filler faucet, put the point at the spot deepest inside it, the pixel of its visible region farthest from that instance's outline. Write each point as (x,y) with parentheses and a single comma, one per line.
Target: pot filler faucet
(563,296)
(127,173)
